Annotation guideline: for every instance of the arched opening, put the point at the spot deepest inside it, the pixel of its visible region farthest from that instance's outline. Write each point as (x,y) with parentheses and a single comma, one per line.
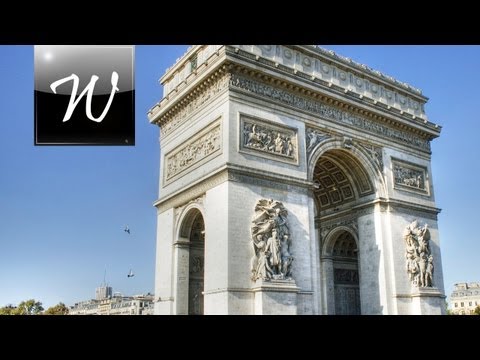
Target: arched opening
(190,262)
(345,275)
(340,180)
(196,266)
(343,181)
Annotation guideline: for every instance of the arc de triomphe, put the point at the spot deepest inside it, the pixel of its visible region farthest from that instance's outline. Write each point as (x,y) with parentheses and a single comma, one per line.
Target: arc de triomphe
(293,181)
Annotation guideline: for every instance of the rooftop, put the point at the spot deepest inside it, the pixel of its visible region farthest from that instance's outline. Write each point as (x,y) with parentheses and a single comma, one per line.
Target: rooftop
(307,69)
(320,50)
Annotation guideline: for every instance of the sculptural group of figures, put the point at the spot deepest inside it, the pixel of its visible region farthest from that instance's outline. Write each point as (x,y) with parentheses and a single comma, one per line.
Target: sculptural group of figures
(408,177)
(418,255)
(271,242)
(194,152)
(268,140)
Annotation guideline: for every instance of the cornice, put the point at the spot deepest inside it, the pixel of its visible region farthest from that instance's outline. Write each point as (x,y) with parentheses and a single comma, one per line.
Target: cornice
(345,61)
(384,205)
(190,102)
(235,173)
(183,86)
(312,50)
(202,85)
(306,63)
(339,111)
(169,73)
(251,175)
(297,80)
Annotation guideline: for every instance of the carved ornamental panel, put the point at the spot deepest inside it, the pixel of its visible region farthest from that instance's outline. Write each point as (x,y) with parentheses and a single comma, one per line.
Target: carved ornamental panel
(271,240)
(419,258)
(314,137)
(410,177)
(197,150)
(267,139)
(328,112)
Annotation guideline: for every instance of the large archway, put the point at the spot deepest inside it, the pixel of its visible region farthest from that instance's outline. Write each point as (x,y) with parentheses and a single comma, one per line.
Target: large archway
(190,262)
(196,266)
(343,181)
(345,275)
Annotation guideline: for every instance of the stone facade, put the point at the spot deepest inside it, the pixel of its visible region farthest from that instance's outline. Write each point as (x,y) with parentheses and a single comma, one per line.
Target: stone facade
(115,305)
(465,298)
(293,155)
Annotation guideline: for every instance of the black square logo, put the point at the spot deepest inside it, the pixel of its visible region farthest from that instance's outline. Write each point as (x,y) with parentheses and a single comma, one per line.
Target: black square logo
(84,95)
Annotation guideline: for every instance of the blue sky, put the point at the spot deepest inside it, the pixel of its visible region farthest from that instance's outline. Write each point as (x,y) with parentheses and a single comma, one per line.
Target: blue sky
(63,209)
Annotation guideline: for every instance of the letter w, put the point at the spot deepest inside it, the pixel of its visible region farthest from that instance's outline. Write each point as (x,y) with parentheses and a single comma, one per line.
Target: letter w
(89,88)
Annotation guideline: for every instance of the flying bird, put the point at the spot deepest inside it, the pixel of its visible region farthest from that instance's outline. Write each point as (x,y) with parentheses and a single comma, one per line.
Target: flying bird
(127,230)
(130,274)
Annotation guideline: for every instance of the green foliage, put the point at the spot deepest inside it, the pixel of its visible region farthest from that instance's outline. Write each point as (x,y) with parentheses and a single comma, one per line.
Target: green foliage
(29,307)
(8,310)
(33,307)
(477,310)
(59,309)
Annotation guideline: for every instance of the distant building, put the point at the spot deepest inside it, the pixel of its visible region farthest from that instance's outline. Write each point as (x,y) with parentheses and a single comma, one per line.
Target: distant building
(465,298)
(103,292)
(116,305)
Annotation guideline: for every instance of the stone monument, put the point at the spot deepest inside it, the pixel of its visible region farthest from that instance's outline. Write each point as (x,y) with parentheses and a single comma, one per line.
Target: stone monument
(293,181)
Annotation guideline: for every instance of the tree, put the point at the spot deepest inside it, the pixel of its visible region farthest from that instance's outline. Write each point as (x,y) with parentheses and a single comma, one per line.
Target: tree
(447,310)
(29,307)
(8,310)
(59,309)
(477,310)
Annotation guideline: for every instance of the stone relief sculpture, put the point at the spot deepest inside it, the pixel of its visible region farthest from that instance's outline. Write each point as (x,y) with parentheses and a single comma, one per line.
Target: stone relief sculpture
(375,154)
(314,137)
(193,152)
(418,255)
(271,242)
(327,111)
(409,177)
(347,142)
(269,140)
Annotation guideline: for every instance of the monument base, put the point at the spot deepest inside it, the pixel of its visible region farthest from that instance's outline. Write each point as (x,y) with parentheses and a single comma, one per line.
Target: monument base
(275,297)
(428,301)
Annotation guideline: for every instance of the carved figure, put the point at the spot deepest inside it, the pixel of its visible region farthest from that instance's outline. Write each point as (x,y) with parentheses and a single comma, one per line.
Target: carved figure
(409,177)
(419,261)
(271,241)
(272,251)
(278,144)
(429,272)
(313,138)
(286,257)
(267,139)
(260,264)
(193,152)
